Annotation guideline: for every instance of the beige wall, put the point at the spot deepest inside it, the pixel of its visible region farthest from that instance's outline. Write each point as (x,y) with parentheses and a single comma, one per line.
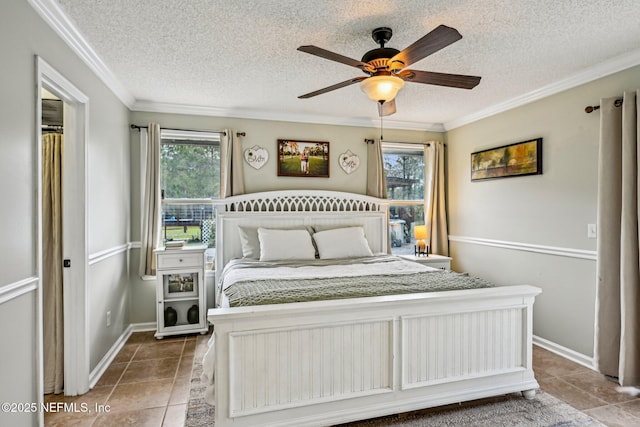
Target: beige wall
(551,210)
(23,35)
(264,133)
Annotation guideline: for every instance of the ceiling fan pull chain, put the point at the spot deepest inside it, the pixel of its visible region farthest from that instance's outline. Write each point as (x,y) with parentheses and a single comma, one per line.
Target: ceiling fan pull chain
(380,111)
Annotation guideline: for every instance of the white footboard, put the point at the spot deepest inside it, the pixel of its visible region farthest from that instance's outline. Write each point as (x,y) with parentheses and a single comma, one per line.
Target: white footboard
(328,362)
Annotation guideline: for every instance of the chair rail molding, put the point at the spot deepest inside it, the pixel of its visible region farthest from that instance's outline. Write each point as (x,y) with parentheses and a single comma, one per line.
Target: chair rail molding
(528,247)
(14,290)
(108,253)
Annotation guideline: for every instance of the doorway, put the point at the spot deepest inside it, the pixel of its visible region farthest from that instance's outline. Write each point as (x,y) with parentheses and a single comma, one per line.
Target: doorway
(52,139)
(74,114)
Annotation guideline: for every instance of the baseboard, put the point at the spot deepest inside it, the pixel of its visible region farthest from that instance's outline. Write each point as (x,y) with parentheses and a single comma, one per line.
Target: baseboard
(104,364)
(143,327)
(567,353)
(108,358)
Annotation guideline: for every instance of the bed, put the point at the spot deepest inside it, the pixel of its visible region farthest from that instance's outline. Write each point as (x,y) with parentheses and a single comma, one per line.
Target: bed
(330,361)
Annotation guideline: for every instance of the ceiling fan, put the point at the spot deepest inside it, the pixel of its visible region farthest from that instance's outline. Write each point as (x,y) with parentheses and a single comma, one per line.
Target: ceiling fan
(386,67)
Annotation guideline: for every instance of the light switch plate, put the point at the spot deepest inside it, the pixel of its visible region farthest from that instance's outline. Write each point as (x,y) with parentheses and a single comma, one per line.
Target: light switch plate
(592,232)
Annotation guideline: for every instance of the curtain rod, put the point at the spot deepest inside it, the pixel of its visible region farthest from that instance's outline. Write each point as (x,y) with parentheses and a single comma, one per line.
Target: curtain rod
(591,108)
(372,141)
(191,130)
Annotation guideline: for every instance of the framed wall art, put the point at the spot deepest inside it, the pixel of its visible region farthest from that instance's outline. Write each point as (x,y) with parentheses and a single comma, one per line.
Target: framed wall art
(519,159)
(303,158)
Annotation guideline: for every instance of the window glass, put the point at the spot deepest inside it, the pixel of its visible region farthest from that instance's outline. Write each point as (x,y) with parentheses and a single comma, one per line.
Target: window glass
(404,174)
(402,220)
(190,169)
(189,182)
(189,222)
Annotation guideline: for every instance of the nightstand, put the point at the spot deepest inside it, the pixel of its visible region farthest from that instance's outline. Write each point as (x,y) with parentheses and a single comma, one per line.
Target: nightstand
(180,290)
(435,261)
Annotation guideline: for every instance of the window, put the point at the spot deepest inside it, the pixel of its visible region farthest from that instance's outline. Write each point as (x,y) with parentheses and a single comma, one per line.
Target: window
(189,182)
(404,174)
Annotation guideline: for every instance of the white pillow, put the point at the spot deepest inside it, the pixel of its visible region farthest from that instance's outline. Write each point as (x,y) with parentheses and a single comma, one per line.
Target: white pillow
(347,242)
(250,243)
(285,244)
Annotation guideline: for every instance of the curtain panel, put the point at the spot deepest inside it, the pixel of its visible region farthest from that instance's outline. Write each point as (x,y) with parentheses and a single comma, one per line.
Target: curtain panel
(435,214)
(376,185)
(617,337)
(231,166)
(151,200)
(52,285)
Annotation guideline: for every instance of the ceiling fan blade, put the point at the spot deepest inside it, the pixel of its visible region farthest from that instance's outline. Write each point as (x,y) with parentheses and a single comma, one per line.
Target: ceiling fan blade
(333,87)
(440,79)
(435,40)
(332,56)
(387,108)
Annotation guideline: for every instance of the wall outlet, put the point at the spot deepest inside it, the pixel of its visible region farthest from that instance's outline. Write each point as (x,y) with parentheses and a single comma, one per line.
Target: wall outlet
(108,318)
(592,232)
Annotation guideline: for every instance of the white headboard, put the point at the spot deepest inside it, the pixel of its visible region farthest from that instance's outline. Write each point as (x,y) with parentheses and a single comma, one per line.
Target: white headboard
(290,208)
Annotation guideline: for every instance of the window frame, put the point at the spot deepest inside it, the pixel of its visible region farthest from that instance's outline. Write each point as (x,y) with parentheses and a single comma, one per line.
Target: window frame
(199,138)
(407,147)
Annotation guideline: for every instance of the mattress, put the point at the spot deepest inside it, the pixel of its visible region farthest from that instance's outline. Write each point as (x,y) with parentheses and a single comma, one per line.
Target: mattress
(248,282)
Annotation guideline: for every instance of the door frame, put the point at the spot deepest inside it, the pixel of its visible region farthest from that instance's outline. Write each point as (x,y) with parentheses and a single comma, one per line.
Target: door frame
(75,236)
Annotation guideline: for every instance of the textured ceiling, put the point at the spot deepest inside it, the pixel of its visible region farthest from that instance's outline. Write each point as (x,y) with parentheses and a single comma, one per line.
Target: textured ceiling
(240,56)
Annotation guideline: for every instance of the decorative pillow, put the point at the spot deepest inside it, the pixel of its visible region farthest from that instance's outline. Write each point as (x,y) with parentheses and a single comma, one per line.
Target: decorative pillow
(347,242)
(249,241)
(251,244)
(285,245)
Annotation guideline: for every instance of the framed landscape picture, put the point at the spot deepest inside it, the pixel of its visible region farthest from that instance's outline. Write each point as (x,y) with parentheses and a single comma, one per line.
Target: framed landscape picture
(303,158)
(519,159)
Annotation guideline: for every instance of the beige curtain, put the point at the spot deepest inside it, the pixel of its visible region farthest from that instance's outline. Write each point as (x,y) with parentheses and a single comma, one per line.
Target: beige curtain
(53,327)
(376,185)
(151,200)
(231,166)
(435,215)
(617,340)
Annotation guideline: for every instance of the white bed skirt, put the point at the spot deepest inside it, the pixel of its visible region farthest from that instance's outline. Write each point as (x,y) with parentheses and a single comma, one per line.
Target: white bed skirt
(328,362)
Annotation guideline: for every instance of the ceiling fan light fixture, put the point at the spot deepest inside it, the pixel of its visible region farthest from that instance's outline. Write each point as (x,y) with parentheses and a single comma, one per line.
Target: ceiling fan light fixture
(381,88)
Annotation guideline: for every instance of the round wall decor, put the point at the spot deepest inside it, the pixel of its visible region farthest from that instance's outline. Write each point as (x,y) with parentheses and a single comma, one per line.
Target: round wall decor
(256,156)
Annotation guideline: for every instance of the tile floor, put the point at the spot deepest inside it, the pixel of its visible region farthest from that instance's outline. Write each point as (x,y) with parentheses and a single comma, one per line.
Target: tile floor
(148,385)
(585,389)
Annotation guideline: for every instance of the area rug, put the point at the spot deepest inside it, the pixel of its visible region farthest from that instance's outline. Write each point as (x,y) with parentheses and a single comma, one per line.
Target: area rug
(509,410)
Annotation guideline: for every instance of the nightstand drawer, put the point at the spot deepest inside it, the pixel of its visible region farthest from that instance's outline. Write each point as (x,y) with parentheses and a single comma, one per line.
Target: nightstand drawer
(180,260)
(435,261)
(441,265)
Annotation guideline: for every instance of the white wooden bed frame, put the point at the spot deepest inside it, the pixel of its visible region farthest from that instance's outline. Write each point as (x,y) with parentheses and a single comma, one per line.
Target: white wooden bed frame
(328,362)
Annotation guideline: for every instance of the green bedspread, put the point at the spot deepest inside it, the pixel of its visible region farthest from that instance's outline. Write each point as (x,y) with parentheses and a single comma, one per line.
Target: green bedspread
(279,291)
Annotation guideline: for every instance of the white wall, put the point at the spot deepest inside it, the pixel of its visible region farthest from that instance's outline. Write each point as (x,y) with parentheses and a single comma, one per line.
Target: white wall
(264,133)
(23,35)
(550,210)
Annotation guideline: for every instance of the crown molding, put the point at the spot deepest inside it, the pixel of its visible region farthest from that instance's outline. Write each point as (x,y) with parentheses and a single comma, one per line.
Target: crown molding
(603,69)
(54,16)
(158,107)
